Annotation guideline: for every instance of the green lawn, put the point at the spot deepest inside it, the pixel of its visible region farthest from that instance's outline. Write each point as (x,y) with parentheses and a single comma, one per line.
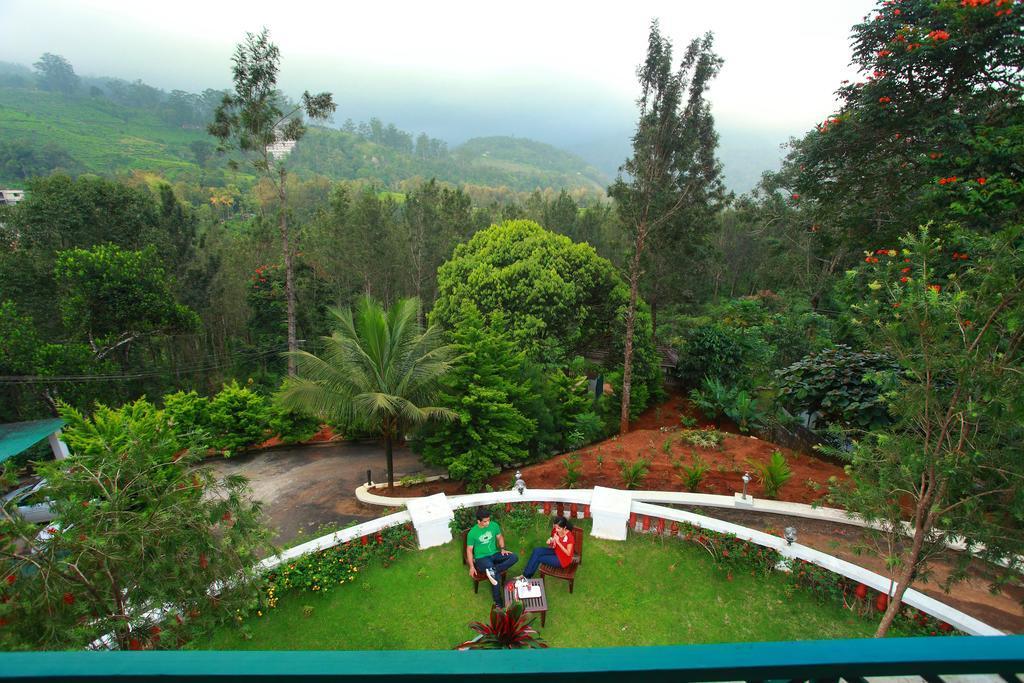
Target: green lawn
(646,591)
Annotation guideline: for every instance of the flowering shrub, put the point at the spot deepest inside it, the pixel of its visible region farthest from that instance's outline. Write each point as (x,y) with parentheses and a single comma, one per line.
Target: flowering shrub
(332,567)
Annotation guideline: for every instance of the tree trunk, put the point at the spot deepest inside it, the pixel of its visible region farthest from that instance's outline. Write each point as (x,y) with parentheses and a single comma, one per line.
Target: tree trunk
(390,457)
(922,525)
(289,276)
(627,364)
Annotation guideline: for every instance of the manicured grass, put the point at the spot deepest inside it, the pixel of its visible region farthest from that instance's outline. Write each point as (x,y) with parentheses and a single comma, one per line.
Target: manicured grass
(646,591)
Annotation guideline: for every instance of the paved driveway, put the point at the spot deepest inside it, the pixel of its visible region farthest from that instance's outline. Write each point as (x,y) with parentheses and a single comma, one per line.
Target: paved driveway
(305,487)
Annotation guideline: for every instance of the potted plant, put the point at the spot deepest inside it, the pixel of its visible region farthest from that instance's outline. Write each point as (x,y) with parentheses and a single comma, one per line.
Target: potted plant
(507,629)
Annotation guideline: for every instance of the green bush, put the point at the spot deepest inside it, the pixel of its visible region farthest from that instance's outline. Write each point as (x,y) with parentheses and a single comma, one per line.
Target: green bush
(772,475)
(719,352)
(292,427)
(239,417)
(712,398)
(187,413)
(745,411)
(845,386)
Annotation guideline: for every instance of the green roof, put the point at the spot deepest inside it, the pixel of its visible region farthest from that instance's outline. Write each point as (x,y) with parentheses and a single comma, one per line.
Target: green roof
(16,437)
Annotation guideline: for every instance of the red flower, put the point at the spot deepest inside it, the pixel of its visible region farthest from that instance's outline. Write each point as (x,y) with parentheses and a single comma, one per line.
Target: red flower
(155,630)
(134,644)
(11,579)
(896,12)
(69,598)
(944,627)
(3,622)
(913,46)
(226,517)
(881,602)
(967,323)
(795,196)
(884,53)
(861,591)
(935,155)
(935,288)
(884,100)
(905,270)
(938,35)
(904,279)
(982,181)
(900,38)
(85,503)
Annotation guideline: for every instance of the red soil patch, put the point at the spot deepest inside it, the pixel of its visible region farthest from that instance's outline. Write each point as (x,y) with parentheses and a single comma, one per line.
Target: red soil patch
(647,439)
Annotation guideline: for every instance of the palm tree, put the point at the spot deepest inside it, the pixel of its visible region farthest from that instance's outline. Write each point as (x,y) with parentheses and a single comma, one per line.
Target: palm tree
(379,367)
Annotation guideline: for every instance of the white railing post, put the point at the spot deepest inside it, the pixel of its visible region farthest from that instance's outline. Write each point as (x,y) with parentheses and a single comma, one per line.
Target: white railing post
(431,516)
(609,509)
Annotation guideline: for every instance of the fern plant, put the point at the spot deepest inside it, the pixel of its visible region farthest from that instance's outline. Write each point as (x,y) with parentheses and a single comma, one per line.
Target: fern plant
(571,478)
(772,475)
(692,474)
(634,473)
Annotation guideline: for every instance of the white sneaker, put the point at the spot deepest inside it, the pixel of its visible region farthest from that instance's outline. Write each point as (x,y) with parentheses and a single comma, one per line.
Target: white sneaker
(490,576)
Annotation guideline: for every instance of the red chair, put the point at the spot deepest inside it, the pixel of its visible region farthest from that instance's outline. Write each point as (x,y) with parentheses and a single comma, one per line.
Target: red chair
(567,573)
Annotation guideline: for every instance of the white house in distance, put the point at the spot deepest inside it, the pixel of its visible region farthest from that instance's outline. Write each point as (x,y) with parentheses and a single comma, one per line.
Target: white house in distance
(11,197)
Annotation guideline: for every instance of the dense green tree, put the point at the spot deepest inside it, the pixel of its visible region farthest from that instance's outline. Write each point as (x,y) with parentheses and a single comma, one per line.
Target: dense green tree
(435,220)
(949,468)
(56,74)
(486,388)
(143,526)
(379,367)
(673,175)
(111,297)
(253,118)
(934,131)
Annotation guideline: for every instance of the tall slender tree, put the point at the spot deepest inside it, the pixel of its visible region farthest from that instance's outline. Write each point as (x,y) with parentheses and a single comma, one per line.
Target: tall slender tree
(253,118)
(673,169)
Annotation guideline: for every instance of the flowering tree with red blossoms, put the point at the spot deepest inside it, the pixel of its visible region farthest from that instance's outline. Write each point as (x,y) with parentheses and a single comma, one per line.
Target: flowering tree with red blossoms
(934,131)
(949,468)
(141,526)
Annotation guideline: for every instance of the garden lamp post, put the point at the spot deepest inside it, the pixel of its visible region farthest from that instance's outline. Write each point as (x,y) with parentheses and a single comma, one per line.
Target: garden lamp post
(746,480)
(790,534)
(520,485)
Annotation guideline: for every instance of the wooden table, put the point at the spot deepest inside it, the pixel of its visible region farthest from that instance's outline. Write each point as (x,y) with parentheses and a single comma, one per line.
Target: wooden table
(538,604)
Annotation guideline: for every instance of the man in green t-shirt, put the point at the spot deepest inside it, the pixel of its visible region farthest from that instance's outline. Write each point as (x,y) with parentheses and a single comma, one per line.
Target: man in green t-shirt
(486,554)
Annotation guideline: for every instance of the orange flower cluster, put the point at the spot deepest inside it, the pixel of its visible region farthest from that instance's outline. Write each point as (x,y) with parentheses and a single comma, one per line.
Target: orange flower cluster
(938,35)
(974,3)
(884,53)
(824,125)
(1002,12)
(935,155)
(982,181)
(957,256)
(913,46)
(947,181)
(885,100)
(935,288)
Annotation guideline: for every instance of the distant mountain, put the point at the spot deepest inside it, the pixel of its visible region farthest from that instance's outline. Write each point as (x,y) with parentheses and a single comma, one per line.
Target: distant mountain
(523,157)
(41,132)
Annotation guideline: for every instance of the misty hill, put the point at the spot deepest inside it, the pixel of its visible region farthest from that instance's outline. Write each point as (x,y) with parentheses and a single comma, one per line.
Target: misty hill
(521,155)
(111,126)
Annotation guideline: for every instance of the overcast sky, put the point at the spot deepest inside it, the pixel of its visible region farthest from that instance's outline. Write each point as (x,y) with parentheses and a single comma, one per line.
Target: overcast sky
(562,72)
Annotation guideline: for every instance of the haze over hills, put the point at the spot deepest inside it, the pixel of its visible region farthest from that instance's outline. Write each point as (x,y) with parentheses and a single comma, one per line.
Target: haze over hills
(113,126)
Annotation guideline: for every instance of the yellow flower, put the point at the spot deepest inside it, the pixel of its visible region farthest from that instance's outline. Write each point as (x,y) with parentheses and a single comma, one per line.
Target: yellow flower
(891,252)
(875,286)
(259,613)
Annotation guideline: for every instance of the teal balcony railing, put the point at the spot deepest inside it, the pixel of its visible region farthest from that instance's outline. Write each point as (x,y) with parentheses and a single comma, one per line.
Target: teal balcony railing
(820,660)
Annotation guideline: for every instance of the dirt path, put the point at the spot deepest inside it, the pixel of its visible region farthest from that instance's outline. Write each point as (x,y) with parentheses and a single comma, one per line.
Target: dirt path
(307,487)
